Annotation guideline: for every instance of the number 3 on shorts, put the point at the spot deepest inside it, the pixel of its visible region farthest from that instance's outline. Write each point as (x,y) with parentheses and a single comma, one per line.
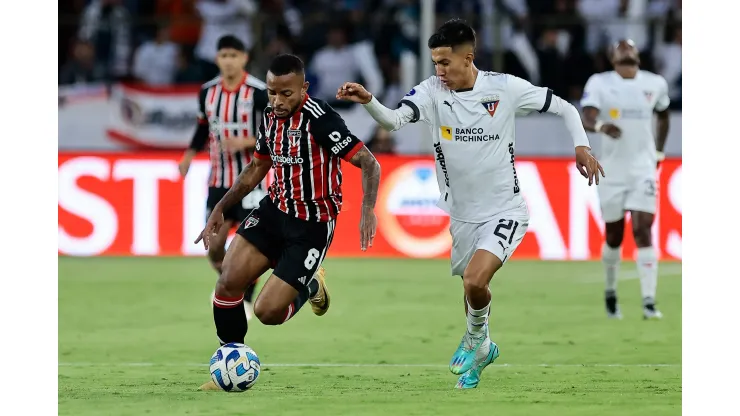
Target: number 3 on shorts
(311,259)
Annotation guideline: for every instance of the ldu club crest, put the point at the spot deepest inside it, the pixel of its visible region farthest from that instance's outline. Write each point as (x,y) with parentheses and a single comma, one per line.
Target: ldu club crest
(490,104)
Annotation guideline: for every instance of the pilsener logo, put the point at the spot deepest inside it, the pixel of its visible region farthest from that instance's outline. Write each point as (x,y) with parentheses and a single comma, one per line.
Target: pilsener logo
(474,134)
(446,132)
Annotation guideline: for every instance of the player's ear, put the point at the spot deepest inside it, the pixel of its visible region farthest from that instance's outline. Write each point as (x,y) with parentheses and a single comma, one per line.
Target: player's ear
(304,89)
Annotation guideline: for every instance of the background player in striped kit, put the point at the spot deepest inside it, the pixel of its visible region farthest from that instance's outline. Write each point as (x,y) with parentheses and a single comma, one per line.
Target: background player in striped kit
(303,140)
(230,107)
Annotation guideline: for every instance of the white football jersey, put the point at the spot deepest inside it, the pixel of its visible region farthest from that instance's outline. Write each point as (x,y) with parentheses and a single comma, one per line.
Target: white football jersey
(629,105)
(473,132)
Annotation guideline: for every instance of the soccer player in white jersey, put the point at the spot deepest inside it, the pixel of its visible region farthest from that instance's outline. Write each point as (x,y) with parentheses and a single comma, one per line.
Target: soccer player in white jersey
(471,114)
(620,104)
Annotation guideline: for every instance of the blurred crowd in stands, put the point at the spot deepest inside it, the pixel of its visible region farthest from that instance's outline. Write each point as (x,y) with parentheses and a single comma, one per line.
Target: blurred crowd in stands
(553,43)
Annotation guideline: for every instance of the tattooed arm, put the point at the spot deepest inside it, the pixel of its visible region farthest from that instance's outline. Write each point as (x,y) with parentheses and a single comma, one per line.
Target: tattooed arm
(365,160)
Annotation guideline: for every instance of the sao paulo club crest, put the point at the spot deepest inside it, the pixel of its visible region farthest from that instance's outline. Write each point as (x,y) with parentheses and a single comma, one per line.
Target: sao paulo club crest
(490,104)
(251,222)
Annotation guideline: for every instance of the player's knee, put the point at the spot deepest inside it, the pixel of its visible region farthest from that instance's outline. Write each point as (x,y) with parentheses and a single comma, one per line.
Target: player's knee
(269,314)
(226,285)
(614,238)
(643,236)
(474,281)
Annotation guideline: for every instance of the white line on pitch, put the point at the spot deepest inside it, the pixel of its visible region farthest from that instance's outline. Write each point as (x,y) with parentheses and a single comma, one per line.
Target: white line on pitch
(124,364)
(666,270)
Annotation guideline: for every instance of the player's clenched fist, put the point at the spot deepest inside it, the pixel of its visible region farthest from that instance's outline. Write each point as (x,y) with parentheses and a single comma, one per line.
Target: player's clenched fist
(352,91)
(588,165)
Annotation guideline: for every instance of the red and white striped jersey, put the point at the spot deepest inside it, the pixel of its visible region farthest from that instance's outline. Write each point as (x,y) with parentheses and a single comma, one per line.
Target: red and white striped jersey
(306,151)
(230,114)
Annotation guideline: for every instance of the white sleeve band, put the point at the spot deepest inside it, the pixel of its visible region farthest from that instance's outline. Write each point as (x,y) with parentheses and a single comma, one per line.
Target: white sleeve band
(390,119)
(572,120)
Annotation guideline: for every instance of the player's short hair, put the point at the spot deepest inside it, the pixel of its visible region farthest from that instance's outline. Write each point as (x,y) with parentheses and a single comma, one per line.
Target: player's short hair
(453,33)
(285,64)
(231,42)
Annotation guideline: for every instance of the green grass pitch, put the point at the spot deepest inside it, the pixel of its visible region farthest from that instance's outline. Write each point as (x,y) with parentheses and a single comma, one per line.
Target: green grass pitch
(136,334)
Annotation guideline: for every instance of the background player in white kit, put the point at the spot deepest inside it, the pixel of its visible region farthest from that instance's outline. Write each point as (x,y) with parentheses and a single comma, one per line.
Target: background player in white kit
(471,114)
(620,105)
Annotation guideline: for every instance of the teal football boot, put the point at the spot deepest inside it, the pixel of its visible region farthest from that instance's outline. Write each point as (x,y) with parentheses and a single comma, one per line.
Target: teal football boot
(471,378)
(464,356)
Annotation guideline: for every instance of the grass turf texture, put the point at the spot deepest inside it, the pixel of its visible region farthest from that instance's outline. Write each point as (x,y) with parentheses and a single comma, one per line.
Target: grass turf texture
(136,334)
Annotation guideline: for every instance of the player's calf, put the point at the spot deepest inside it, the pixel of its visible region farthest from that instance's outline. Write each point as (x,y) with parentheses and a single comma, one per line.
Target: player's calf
(647,262)
(242,265)
(279,301)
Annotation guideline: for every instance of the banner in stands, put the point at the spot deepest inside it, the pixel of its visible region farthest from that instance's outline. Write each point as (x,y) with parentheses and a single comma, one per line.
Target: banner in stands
(155,117)
(137,204)
(132,117)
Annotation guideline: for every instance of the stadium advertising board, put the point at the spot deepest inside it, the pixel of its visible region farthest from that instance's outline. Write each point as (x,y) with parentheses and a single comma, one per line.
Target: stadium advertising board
(137,204)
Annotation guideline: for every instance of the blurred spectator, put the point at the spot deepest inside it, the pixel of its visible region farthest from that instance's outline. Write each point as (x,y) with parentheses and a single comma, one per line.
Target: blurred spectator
(155,62)
(106,24)
(277,46)
(612,20)
(551,56)
(521,57)
(381,142)
(187,72)
(668,59)
(394,92)
(82,68)
(220,18)
(183,18)
(339,62)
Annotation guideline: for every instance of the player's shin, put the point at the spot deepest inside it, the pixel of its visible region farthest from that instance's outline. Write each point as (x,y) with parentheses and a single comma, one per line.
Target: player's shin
(477,319)
(611,257)
(230,319)
(647,267)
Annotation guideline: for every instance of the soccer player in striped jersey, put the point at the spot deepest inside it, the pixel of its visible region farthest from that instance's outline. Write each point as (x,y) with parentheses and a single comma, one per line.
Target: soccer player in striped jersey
(230,106)
(304,141)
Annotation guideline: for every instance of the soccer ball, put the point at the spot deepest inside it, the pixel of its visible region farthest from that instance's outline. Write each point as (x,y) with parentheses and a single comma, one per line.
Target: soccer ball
(235,367)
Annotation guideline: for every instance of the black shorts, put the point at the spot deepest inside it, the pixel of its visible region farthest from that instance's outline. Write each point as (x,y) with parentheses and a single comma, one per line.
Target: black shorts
(237,213)
(295,247)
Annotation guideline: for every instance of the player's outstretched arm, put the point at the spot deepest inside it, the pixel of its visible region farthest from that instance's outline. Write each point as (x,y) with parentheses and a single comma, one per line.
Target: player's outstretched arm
(391,120)
(365,160)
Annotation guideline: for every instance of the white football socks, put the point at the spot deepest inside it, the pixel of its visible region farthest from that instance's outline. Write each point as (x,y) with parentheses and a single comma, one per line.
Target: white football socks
(477,319)
(611,257)
(647,267)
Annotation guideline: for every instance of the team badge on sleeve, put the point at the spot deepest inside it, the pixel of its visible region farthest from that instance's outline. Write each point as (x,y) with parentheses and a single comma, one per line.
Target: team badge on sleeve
(410,93)
(490,104)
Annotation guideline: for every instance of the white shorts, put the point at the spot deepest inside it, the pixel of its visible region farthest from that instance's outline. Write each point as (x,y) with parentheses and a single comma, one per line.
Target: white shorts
(634,195)
(499,236)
